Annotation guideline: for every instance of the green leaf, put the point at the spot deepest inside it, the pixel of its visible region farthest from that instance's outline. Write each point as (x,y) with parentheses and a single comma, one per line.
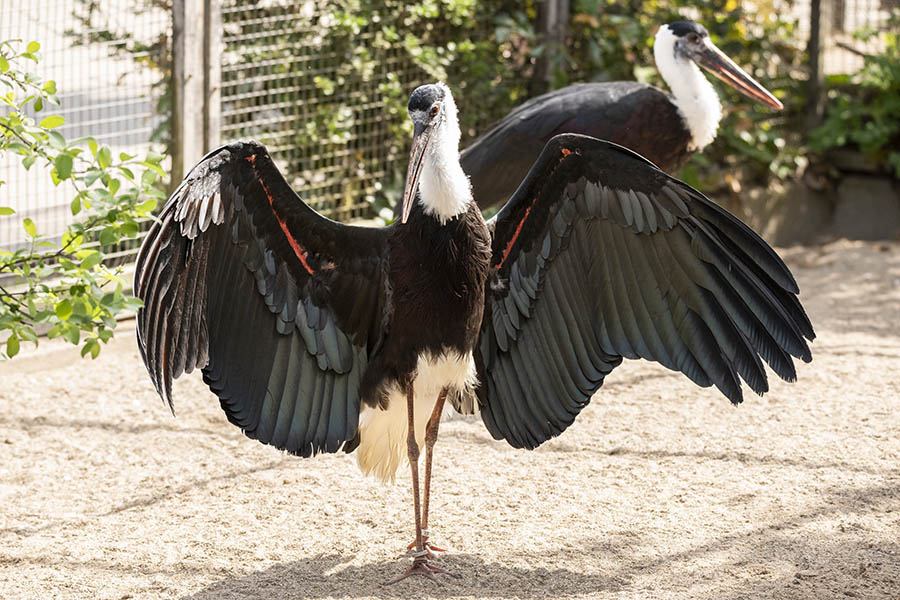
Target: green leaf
(147,206)
(72,239)
(30,227)
(104,157)
(49,87)
(76,205)
(57,140)
(148,178)
(109,236)
(12,345)
(91,260)
(91,176)
(63,310)
(154,166)
(63,164)
(129,230)
(4,64)
(28,161)
(27,333)
(52,121)
(18,148)
(5,210)
(91,345)
(32,47)
(72,335)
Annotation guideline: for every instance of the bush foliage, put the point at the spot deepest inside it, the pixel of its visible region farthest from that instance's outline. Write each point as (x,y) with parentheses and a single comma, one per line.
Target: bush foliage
(62,283)
(864,108)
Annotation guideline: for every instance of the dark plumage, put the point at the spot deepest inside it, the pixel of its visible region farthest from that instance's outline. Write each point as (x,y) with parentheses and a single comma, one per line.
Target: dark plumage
(317,335)
(638,116)
(293,362)
(624,112)
(598,257)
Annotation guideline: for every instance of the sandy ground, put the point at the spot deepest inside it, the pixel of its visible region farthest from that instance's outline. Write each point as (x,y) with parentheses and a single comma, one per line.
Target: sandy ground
(659,490)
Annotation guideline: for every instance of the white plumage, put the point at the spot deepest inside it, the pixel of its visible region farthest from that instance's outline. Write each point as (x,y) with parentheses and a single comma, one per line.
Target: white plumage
(444,188)
(382,433)
(694,95)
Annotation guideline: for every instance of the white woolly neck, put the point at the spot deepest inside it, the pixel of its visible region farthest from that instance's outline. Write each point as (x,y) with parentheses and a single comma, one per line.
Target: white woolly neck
(444,188)
(694,95)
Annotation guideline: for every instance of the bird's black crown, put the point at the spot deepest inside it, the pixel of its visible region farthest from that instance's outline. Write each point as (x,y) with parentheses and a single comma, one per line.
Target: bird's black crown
(683,28)
(424,96)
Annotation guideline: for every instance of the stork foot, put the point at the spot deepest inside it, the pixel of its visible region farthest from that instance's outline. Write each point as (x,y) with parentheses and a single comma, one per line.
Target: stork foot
(421,566)
(430,548)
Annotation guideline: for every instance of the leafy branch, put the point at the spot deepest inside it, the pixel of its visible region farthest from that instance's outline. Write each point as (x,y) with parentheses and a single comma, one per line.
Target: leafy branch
(66,284)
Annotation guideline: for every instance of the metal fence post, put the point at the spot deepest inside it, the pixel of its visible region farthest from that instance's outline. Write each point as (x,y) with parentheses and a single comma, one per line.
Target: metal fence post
(820,19)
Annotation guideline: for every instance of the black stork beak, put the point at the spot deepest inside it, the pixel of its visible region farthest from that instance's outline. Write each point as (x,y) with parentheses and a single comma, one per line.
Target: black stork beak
(717,62)
(421,136)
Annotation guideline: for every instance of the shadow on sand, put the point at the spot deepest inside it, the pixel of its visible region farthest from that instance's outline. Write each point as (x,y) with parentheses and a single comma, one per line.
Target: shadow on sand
(326,576)
(816,567)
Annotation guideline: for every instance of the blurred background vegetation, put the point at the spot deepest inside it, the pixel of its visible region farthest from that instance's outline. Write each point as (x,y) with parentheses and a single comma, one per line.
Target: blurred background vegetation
(488,52)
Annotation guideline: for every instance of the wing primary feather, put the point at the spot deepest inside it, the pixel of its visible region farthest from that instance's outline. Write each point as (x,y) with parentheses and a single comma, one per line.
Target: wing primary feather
(624,316)
(287,381)
(627,245)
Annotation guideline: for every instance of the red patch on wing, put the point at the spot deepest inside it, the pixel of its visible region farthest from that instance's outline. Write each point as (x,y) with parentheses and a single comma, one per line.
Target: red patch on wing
(298,248)
(509,246)
(515,236)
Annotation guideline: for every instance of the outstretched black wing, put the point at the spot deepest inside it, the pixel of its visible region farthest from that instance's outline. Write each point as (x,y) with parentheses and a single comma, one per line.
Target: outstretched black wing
(280,306)
(600,256)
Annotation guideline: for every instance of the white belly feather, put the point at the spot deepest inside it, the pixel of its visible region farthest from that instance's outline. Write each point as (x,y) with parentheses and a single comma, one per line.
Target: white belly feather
(382,433)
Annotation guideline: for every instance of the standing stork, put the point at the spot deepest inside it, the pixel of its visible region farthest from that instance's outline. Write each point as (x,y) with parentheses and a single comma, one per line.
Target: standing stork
(666,129)
(318,336)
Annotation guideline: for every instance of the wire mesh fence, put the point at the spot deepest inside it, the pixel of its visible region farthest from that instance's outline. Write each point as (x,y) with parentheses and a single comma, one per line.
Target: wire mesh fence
(100,53)
(851,30)
(286,81)
(853,27)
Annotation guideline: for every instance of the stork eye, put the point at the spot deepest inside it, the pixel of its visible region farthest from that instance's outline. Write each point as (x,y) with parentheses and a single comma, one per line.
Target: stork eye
(694,38)
(435,109)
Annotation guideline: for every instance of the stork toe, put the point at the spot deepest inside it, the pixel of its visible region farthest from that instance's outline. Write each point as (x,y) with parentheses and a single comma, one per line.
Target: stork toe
(422,567)
(430,548)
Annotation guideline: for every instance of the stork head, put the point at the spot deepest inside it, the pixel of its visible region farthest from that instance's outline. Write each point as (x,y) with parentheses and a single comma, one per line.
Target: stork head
(435,146)
(684,41)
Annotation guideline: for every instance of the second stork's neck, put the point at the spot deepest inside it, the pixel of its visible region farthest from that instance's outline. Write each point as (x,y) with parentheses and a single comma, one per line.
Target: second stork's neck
(444,188)
(694,94)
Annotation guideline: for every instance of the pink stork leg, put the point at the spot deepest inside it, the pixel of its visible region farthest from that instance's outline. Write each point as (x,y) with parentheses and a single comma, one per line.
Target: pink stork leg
(420,565)
(431,435)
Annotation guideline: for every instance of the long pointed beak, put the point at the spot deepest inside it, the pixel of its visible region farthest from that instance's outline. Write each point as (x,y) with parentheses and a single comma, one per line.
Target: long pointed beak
(717,62)
(421,137)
